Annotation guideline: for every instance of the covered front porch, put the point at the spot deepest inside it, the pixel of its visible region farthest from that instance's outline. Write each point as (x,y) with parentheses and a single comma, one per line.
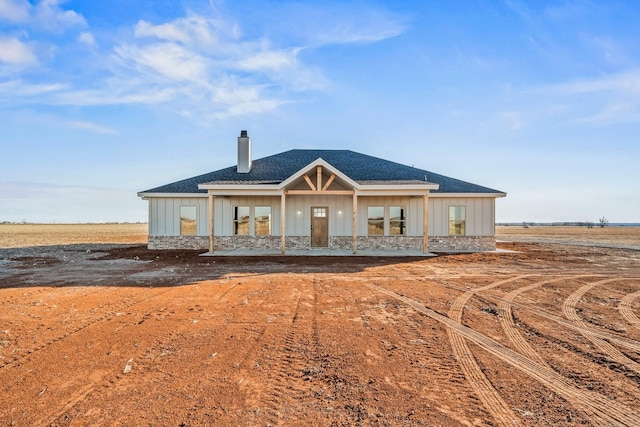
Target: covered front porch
(320,211)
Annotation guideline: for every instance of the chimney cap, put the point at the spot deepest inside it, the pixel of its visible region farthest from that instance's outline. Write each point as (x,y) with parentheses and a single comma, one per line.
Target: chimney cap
(243,134)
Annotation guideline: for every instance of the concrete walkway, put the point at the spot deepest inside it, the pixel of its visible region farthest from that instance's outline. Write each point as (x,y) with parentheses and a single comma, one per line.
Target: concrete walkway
(320,252)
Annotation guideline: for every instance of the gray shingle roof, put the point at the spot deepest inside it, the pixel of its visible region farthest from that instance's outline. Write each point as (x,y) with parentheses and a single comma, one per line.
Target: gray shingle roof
(359,167)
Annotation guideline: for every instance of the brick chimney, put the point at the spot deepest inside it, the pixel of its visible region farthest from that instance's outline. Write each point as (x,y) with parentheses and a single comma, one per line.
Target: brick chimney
(244,152)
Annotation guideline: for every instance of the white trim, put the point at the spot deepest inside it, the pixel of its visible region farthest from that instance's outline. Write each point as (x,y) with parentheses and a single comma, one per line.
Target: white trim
(172,195)
(319,162)
(395,187)
(243,187)
(467,195)
(245,192)
(397,191)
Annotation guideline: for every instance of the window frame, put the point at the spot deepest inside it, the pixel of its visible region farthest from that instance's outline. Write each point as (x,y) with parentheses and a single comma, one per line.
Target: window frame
(236,224)
(455,229)
(402,221)
(181,222)
(375,222)
(255,220)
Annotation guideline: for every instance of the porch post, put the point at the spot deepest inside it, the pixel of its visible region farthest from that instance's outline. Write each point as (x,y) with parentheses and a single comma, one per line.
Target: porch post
(283,238)
(425,223)
(355,223)
(210,223)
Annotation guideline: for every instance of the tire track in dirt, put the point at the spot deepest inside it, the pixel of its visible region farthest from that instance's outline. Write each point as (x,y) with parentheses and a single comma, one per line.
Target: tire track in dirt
(569,310)
(508,322)
(600,409)
(617,339)
(288,362)
(626,309)
(442,372)
(98,377)
(110,314)
(489,396)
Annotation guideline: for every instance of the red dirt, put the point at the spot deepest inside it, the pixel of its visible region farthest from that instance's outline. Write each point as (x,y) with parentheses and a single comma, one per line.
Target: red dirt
(111,335)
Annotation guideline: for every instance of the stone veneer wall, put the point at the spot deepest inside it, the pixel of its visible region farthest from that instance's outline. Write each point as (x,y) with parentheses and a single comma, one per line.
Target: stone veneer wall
(462,243)
(372,243)
(178,242)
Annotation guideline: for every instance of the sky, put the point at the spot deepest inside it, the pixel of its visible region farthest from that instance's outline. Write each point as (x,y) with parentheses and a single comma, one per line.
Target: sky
(100,100)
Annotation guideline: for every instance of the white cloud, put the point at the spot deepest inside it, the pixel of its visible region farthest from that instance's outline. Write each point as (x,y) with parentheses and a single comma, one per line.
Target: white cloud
(14,10)
(32,118)
(49,15)
(626,82)
(93,127)
(117,96)
(332,22)
(20,88)
(15,52)
(88,39)
(200,66)
(194,30)
(168,32)
(270,60)
(164,59)
(45,14)
(599,101)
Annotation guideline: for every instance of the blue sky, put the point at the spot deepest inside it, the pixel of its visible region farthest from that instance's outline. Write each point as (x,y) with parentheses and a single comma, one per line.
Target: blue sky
(100,100)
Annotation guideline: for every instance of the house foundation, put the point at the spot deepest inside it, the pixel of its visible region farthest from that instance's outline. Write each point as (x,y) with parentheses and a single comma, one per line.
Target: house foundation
(450,244)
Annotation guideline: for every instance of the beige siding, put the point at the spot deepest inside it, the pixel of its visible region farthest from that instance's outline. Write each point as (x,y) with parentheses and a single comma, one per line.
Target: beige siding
(164,214)
(480,212)
(413,206)
(223,215)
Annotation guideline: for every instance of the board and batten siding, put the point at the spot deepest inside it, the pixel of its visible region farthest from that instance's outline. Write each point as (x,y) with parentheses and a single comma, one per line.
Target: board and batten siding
(164,214)
(480,215)
(413,206)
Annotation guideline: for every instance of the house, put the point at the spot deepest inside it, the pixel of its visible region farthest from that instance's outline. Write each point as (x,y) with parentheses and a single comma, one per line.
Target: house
(336,199)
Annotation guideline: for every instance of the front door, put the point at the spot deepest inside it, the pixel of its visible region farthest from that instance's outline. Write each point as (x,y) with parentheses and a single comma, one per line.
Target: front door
(319,227)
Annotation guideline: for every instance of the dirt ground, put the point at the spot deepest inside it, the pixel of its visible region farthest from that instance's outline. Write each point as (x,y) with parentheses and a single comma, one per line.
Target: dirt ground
(112,334)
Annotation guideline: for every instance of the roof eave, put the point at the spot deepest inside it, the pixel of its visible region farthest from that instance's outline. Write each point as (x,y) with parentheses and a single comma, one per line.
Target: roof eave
(147,194)
(494,195)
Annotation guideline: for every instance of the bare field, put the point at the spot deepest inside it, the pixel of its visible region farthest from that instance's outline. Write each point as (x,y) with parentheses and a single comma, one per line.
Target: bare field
(621,236)
(119,335)
(23,235)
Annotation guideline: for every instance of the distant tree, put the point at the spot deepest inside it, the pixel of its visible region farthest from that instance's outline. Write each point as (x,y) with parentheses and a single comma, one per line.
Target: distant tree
(524,224)
(603,222)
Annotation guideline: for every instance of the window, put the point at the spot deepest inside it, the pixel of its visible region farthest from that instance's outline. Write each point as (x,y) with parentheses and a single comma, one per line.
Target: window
(319,212)
(457,219)
(397,220)
(188,220)
(241,220)
(262,219)
(375,220)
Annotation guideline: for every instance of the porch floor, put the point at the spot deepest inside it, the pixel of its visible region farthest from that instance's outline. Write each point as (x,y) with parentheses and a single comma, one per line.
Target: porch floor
(319,252)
